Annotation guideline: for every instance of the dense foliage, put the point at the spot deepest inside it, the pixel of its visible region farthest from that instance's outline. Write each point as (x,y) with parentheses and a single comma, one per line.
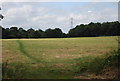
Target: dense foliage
(95,29)
(87,30)
(1,16)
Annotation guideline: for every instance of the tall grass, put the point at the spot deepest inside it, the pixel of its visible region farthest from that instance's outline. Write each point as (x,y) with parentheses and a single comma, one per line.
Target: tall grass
(95,64)
(14,70)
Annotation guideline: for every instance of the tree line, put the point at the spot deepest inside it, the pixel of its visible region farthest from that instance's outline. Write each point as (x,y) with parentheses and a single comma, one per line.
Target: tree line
(15,32)
(96,29)
(83,30)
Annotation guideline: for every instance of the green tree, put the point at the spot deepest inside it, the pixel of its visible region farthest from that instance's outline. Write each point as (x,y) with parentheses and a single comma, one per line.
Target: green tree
(1,28)
(1,16)
(39,33)
(53,33)
(22,33)
(13,32)
(48,33)
(57,33)
(31,33)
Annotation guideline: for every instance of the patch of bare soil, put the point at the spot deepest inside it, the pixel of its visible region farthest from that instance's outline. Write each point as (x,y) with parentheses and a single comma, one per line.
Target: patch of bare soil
(38,65)
(107,73)
(63,65)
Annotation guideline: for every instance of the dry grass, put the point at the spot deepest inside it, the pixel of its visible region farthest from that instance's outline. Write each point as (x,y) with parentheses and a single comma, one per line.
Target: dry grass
(63,49)
(57,54)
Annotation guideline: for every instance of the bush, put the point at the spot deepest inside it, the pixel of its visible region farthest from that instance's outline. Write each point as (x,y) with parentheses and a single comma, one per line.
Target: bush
(14,71)
(112,60)
(96,64)
(90,64)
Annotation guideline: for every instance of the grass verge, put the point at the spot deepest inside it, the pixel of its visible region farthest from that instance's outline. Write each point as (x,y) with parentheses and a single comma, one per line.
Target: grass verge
(95,64)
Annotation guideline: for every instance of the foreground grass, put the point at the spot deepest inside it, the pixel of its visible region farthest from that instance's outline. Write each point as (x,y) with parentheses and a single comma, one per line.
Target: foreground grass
(103,67)
(55,58)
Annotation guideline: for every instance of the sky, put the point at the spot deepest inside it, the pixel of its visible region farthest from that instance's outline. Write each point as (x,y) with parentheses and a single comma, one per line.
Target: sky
(59,0)
(44,15)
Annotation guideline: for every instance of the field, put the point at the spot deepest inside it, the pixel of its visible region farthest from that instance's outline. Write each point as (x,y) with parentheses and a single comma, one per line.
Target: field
(52,58)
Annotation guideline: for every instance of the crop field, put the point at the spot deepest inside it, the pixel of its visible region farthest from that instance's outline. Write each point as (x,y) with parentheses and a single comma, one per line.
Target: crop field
(52,58)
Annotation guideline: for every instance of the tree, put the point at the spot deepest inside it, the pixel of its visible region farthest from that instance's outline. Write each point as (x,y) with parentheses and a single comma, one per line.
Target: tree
(58,33)
(48,33)
(31,33)
(22,33)
(64,35)
(88,30)
(95,29)
(39,33)
(53,33)
(6,33)
(1,16)
(13,32)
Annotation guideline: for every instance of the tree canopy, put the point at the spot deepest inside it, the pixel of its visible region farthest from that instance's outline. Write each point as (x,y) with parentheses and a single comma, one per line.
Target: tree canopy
(1,16)
(83,30)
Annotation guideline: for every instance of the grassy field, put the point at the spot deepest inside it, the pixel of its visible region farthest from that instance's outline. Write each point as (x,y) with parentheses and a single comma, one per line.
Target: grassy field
(52,58)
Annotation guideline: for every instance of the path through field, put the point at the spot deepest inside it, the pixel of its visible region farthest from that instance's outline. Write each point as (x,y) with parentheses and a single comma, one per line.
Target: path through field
(53,58)
(23,51)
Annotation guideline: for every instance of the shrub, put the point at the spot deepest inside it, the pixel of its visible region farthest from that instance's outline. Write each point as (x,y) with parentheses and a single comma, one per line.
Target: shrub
(14,71)
(96,64)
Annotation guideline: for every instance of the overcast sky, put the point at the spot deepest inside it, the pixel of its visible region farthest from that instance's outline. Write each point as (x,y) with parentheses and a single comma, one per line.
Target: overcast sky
(44,15)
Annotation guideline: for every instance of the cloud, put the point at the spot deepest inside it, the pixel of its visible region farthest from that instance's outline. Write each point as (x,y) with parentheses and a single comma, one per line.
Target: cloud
(39,16)
(89,11)
(17,15)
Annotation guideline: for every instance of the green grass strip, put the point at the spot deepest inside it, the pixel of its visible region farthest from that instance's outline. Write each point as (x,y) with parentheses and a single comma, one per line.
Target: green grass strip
(23,51)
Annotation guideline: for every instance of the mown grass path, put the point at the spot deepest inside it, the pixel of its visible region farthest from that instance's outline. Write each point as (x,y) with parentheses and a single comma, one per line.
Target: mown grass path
(23,51)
